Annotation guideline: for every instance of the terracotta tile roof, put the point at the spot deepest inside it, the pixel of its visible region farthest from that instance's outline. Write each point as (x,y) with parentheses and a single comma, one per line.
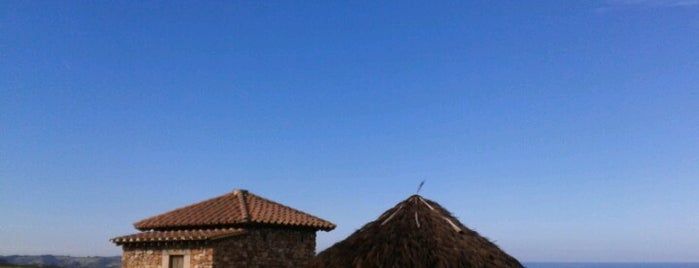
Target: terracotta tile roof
(181,235)
(236,209)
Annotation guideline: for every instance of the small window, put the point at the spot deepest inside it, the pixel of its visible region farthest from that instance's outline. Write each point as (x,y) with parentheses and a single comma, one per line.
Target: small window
(176,261)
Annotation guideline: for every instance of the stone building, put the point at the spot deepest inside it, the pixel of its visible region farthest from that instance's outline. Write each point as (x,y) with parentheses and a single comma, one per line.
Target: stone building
(238,229)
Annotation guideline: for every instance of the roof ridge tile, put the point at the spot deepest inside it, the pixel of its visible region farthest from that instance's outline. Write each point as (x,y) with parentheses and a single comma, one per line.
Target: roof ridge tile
(245,214)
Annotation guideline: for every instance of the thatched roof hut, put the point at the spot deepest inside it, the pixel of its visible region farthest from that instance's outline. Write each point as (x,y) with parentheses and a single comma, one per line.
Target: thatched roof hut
(415,233)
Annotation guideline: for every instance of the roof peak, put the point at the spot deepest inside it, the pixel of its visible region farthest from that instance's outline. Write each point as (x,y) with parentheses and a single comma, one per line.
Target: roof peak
(240,191)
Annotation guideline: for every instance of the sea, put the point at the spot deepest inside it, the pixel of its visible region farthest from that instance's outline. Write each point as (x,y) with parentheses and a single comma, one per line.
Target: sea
(609,265)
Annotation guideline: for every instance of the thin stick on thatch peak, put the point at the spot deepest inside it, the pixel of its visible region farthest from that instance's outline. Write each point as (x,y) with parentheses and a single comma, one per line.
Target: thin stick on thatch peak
(420,187)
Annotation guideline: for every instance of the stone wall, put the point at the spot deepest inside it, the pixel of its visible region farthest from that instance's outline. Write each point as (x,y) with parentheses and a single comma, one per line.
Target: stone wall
(198,255)
(258,248)
(141,258)
(266,247)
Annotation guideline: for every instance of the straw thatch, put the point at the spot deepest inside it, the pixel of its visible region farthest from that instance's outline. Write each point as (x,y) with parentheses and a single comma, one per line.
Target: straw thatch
(415,233)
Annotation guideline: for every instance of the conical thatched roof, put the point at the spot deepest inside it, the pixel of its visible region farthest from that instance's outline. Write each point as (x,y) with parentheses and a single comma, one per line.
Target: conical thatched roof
(415,233)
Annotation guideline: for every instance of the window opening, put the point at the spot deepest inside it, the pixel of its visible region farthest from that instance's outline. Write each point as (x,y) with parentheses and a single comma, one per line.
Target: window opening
(176,261)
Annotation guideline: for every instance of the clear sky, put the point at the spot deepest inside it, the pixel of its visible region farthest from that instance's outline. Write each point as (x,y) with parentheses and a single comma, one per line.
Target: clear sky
(562,130)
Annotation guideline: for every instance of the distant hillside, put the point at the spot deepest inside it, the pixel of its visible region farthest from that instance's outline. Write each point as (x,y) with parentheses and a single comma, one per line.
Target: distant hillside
(51,261)
(4,265)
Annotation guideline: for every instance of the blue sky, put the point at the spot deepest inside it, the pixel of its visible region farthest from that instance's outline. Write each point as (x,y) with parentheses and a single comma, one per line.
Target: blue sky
(562,130)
